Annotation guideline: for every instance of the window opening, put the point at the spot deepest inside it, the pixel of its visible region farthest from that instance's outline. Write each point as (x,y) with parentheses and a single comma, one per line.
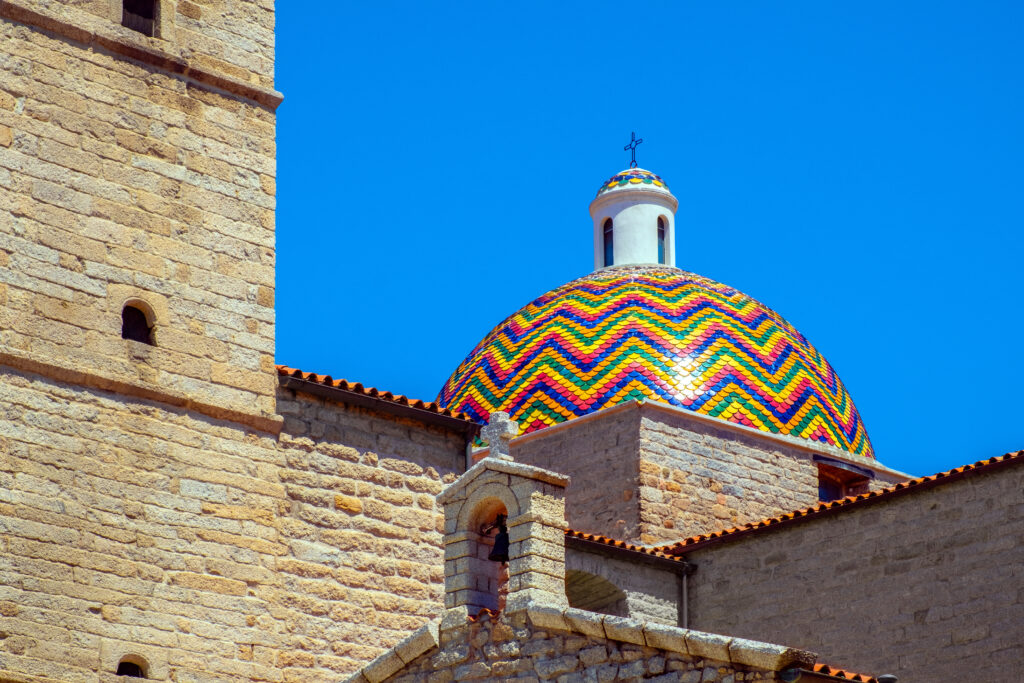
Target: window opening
(661,240)
(135,326)
(837,479)
(609,246)
(130,669)
(139,15)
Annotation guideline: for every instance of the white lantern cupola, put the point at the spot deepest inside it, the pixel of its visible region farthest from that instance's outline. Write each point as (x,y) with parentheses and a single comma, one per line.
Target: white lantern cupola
(634,221)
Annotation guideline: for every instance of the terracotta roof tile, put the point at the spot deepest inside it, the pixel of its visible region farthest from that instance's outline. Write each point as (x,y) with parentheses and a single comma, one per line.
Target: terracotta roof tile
(604,540)
(358,388)
(839,673)
(686,545)
(486,612)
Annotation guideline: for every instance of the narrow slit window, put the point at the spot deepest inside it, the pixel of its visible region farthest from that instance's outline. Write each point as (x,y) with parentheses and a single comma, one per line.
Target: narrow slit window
(135,325)
(139,15)
(609,245)
(661,240)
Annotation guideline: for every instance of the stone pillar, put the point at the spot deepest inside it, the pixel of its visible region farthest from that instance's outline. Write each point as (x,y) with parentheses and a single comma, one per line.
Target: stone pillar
(533,500)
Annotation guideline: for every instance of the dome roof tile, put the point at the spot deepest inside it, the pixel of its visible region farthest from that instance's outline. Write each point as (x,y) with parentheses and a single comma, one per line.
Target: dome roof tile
(655,333)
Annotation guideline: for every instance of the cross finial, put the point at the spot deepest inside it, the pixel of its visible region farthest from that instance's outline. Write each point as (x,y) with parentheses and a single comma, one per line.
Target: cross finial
(498,432)
(633,142)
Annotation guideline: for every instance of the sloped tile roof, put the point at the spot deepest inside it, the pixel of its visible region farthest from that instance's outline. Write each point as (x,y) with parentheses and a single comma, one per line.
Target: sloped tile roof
(604,540)
(686,545)
(370,392)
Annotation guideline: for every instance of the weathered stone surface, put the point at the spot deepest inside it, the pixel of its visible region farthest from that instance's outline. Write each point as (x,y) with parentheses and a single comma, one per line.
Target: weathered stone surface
(765,655)
(895,561)
(665,637)
(623,629)
(547,617)
(175,536)
(383,667)
(498,649)
(419,642)
(708,645)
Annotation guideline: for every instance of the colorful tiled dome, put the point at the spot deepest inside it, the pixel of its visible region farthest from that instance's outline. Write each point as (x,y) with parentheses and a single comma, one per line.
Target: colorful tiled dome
(657,333)
(633,178)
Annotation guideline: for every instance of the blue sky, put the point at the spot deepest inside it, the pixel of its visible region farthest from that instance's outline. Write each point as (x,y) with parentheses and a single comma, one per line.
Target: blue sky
(855,166)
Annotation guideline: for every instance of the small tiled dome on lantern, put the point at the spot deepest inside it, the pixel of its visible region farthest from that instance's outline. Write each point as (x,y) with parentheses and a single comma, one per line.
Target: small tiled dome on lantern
(640,329)
(633,178)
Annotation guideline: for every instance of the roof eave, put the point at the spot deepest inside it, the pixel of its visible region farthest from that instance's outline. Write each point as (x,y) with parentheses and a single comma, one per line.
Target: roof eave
(466,428)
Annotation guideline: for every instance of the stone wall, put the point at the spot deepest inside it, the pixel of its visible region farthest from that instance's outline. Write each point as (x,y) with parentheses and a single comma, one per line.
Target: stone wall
(697,476)
(653,474)
(510,648)
(211,550)
(120,180)
(232,36)
(925,585)
(599,453)
(649,593)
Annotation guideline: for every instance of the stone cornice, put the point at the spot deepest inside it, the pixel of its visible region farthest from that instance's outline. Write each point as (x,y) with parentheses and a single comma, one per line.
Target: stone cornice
(265,423)
(93,31)
(795,442)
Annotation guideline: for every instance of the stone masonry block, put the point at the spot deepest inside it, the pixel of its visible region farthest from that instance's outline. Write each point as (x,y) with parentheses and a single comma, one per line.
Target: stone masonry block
(547,551)
(708,645)
(523,599)
(624,630)
(420,641)
(457,549)
(454,617)
(536,563)
(547,617)
(384,667)
(520,529)
(581,621)
(767,656)
(544,582)
(665,637)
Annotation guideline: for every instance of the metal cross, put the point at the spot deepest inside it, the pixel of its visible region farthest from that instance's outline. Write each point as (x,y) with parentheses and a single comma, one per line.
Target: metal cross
(499,430)
(632,148)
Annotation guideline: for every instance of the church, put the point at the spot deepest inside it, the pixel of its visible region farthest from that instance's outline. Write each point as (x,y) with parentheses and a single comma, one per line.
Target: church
(643,474)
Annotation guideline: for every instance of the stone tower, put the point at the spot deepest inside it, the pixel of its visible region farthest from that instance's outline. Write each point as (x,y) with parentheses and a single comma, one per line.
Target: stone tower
(137,210)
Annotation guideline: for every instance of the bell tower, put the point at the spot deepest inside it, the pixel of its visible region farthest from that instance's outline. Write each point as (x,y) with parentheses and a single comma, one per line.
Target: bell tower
(137,220)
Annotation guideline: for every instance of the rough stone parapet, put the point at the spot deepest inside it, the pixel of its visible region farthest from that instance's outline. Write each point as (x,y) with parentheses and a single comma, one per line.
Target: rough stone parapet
(669,638)
(546,642)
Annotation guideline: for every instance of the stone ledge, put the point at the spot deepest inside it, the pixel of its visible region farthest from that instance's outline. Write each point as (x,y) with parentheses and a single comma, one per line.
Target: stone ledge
(802,444)
(271,424)
(503,467)
(711,646)
(94,31)
(392,661)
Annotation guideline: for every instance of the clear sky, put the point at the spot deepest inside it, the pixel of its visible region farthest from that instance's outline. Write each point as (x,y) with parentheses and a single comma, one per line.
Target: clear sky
(854,165)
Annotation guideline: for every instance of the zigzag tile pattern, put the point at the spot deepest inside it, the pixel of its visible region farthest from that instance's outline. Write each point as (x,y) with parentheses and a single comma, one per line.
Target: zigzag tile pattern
(657,333)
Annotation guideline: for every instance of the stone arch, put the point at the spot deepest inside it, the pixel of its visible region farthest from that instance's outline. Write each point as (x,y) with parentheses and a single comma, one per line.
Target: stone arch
(594,593)
(133,666)
(481,500)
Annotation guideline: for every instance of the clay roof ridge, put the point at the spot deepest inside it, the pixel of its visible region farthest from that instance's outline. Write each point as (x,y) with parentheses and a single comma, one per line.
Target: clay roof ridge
(372,392)
(674,549)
